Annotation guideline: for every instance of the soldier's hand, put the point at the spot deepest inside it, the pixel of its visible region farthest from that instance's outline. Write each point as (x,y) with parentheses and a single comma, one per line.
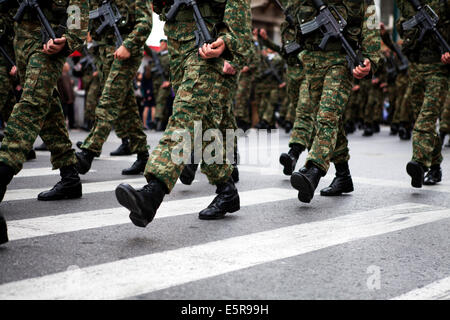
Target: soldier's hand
(446,58)
(245,69)
(263,34)
(356,88)
(213,50)
(281,86)
(165,84)
(360,72)
(122,53)
(95,74)
(13,71)
(54,46)
(228,68)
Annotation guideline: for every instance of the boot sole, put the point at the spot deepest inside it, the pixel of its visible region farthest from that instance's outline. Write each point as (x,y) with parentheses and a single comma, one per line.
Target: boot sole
(286,162)
(235,206)
(325,194)
(132,173)
(302,184)
(72,194)
(416,175)
(127,199)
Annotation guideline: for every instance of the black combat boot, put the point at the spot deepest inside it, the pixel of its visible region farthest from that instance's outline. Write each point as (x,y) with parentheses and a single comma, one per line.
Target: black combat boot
(394,129)
(442,136)
(79,144)
(263,125)
(368,130)
(349,127)
(306,182)
(376,127)
(404,132)
(85,158)
(6,175)
(143,203)
(416,171)
(31,155)
(288,126)
(138,166)
(188,174)
(123,149)
(68,188)
(3,230)
(433,176)
(289,160)
(235,173)
(41,147)
(226,201)
(342,183)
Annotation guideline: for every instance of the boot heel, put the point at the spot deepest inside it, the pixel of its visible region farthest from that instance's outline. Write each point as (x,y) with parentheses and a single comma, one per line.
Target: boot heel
(235,206)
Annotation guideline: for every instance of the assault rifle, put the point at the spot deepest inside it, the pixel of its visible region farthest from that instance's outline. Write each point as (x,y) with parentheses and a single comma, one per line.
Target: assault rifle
(330,28)
(158,67)
(88,60)
(391,68)
(405,63)
(202,33)
(109,16)
(426,20)
(291,47)
(271,71)
(33,5)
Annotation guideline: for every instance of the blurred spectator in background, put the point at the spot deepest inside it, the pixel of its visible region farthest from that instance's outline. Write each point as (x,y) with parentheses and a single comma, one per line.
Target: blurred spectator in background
(67,95)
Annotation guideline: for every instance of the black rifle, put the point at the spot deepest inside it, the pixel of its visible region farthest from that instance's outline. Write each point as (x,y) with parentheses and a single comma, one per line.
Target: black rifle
(330,28)
(271,71)
(7,57)
(405,63)
(109,16)
(202,33)
(47,30)
(291,47)
(391,68)
(426,19)
(88,60)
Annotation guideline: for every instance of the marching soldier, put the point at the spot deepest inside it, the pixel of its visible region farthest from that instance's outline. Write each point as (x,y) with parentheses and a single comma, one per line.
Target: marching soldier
(328,85)
(427,90)
(197,75)
(39,110)
(118,66)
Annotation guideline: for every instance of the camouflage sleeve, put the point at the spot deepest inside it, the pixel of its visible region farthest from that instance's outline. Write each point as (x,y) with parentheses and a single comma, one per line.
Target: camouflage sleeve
(78,24)
(236,31)
(271,45)
(136,39)
(371,39)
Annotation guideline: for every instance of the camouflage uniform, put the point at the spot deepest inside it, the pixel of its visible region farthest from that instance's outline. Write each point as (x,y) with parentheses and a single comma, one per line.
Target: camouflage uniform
(197,83)
(162,95)
(444,123)
(118,104)
(7,99)
(428,82)
(328,82)
(93,92)
(39,110)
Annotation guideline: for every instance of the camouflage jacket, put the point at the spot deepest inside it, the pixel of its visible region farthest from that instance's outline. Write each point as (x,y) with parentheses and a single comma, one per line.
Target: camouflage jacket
(227,19)
(428,51)
(135,25)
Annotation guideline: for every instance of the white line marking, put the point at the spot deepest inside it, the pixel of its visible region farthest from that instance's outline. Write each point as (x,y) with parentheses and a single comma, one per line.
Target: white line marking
(38,172)
(149,273)
(50,225)
(439,290)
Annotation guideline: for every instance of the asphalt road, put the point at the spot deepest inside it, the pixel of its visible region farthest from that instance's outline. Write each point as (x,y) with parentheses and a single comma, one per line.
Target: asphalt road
(385,240)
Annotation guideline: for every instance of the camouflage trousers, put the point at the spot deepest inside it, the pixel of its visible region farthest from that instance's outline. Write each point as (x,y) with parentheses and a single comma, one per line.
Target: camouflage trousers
(323,98)
(444,123)
(294,79)
(7,99)
(269,100)
(39,110)
(197,84)
(373,111)
(243,95)
(429,81)
(162,99)
(93,93)
(402,112)
(117,104)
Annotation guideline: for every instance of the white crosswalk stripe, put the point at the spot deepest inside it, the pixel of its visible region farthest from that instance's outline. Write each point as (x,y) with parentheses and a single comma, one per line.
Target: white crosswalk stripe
(131,277)
(40,172)
(51,225)
(439,290)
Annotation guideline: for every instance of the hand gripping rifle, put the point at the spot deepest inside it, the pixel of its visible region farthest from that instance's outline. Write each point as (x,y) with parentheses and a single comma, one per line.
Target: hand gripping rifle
(109,16)
(291,47)
(327,24)
(47,30)
(426,19)
(202,33)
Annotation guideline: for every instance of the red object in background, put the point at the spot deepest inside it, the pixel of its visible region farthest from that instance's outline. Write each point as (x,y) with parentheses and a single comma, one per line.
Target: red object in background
(76,54)
(157,49)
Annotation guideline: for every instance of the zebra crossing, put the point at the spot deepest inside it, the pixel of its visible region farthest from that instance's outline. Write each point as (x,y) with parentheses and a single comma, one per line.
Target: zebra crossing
(157,260)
